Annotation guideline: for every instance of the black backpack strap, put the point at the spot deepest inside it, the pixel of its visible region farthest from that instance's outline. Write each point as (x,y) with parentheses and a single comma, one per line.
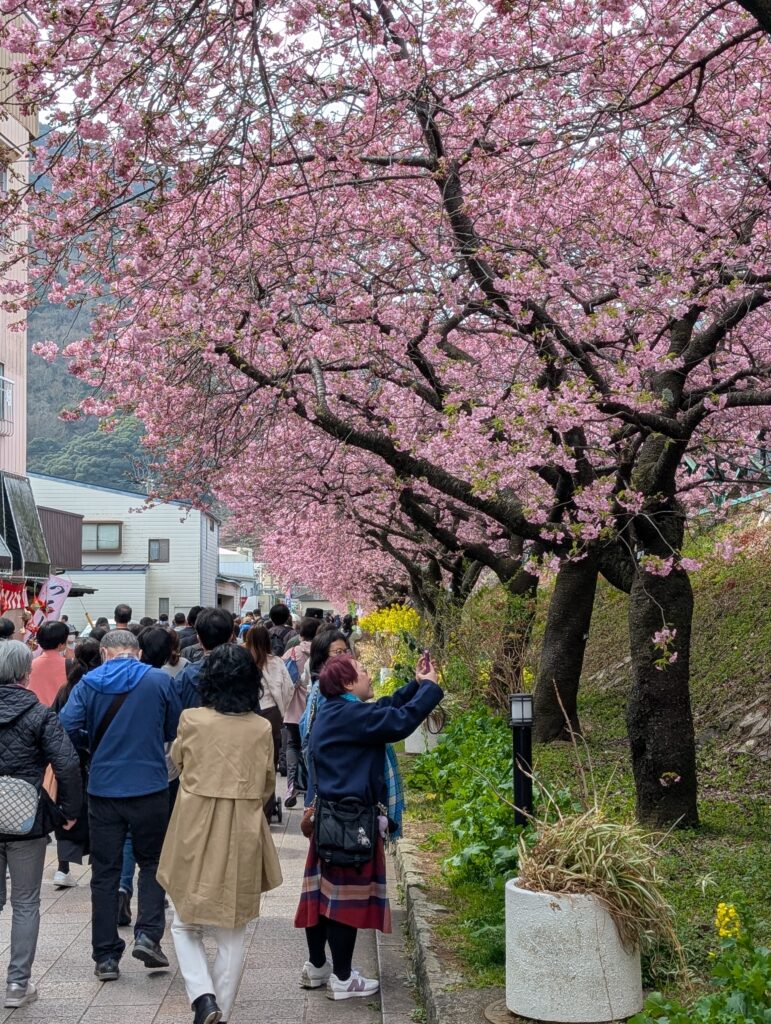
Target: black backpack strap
(115,705)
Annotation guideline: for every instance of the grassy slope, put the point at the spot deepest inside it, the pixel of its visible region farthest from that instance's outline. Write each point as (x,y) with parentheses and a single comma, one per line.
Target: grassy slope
(729,857)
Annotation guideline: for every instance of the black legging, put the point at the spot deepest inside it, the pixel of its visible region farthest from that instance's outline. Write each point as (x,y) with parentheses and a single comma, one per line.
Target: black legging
(341,939)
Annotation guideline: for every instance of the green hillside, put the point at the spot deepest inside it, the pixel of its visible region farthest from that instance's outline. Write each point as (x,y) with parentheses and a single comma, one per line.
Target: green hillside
(73,450)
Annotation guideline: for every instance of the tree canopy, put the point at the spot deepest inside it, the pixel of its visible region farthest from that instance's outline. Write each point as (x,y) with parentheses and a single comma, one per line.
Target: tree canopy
(514,258)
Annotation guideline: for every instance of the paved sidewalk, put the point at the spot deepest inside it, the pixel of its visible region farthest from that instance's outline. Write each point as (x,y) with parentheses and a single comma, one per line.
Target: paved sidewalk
(269,991)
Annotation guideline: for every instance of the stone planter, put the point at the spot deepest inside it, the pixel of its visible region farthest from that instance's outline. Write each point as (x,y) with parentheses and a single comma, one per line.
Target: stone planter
(565,962)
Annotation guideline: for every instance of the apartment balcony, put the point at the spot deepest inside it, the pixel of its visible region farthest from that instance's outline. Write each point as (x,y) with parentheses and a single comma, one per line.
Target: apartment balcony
(6,406)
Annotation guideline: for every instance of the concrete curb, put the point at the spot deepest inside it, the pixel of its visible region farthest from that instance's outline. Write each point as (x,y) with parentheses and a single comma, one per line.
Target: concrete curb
(442,990)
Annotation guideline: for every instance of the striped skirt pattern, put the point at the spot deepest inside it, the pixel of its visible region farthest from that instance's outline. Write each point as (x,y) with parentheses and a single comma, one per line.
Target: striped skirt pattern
(353,896)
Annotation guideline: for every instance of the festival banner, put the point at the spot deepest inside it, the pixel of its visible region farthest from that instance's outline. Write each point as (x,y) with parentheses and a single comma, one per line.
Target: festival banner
(12,595)
(51,599)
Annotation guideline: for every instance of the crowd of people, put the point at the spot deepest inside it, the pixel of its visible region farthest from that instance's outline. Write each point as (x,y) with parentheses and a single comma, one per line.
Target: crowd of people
(157,746)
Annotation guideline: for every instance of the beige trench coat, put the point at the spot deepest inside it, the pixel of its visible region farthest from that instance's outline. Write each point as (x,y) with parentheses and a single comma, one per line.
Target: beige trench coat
(218,856)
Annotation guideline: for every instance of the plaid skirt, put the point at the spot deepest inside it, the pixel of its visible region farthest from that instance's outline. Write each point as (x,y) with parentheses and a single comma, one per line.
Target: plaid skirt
(353,896)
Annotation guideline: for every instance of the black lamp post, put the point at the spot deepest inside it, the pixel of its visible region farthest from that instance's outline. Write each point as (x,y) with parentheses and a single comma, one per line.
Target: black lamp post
(521,726)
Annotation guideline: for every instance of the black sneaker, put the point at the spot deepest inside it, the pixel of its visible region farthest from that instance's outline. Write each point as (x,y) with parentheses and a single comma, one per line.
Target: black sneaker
(149,952)
(107,970)
(290,801)
(124,909)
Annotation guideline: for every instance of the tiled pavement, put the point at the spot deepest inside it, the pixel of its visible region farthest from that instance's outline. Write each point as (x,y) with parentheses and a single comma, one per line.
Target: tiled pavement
(269,991)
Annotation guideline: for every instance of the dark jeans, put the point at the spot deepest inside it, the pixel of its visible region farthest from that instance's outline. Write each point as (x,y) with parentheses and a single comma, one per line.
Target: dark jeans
(109,819)
(341,939)
(273,715)
(293,754)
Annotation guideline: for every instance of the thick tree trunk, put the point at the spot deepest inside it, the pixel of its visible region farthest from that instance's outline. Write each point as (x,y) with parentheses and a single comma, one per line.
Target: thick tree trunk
(562,655)
(659,717)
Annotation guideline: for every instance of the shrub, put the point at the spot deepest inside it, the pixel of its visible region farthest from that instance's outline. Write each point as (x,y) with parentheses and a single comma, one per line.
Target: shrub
(467,775)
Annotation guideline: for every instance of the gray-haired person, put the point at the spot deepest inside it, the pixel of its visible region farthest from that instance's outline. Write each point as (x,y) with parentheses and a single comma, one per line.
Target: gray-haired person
(31,737)
(128,710)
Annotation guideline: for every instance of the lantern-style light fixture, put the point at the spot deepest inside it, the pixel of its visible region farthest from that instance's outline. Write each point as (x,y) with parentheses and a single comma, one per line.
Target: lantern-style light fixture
(521,709)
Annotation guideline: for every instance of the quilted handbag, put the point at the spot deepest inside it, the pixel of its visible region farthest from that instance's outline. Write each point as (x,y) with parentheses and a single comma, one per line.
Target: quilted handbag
(18,805)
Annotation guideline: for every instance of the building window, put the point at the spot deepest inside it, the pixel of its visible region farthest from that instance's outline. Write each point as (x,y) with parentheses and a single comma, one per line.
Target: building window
(211,525)
(3,181)
(157,551)
(6,403)
(102,537)
(163,606)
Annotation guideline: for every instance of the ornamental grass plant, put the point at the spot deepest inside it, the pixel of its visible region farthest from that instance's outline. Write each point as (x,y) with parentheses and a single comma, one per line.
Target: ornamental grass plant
(585,853)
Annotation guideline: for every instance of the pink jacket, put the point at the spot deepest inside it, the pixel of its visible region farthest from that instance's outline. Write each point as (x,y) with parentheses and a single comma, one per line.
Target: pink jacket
(47,676)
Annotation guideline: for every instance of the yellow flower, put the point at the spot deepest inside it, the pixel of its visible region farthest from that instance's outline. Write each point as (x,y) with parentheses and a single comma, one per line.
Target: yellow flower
(391,621)
(727,923)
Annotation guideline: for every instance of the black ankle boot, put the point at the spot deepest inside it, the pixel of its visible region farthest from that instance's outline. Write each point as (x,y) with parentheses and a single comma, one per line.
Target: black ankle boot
(206,1010)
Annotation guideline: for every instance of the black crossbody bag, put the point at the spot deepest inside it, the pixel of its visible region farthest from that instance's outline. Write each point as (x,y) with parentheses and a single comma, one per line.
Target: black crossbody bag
(346,831)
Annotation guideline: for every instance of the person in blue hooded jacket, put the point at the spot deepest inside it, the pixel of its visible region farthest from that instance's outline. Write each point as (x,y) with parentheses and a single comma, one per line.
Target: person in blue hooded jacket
(127,710)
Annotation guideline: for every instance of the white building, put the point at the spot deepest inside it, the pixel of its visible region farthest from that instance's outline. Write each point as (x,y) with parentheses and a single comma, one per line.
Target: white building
(237,581)
(157,558)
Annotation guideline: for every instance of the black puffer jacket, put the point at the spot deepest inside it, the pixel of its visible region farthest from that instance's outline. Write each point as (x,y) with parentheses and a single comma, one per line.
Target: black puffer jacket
(31,737)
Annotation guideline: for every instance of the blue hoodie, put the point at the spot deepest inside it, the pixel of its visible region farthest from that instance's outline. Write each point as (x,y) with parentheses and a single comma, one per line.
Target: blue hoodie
(130,760)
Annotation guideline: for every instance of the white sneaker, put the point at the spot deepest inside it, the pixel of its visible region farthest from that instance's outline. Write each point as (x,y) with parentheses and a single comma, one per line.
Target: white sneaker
(64,881)
(356,985)
(315,977)
(20,995)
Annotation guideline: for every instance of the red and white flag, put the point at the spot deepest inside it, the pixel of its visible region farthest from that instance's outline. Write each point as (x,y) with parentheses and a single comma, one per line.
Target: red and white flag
(12,595)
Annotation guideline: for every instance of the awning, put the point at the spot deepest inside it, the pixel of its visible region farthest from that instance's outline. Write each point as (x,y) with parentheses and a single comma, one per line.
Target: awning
(112,567)
(22,530)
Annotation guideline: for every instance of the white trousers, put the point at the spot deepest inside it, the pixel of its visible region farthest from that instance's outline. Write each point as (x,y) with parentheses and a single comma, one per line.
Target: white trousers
(223,978)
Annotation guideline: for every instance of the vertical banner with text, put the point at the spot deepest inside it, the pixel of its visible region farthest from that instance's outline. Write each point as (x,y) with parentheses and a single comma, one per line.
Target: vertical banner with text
(51,598)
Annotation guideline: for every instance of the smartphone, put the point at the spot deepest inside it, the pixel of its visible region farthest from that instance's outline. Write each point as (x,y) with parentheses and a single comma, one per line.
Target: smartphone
(425,660)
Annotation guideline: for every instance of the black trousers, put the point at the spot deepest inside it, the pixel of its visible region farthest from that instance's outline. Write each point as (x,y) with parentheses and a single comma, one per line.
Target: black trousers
(293,754)
(273,715)
(341,939)
(109,819)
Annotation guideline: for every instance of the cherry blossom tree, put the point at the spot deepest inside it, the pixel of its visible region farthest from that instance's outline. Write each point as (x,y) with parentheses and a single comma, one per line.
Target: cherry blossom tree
(516,255)
(341,522)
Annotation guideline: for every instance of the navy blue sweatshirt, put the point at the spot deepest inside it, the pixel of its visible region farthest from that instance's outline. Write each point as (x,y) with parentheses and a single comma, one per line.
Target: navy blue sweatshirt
(348,738)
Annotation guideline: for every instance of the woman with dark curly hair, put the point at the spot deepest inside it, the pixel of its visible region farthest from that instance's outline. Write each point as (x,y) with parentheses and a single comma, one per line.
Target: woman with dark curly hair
(219,857)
